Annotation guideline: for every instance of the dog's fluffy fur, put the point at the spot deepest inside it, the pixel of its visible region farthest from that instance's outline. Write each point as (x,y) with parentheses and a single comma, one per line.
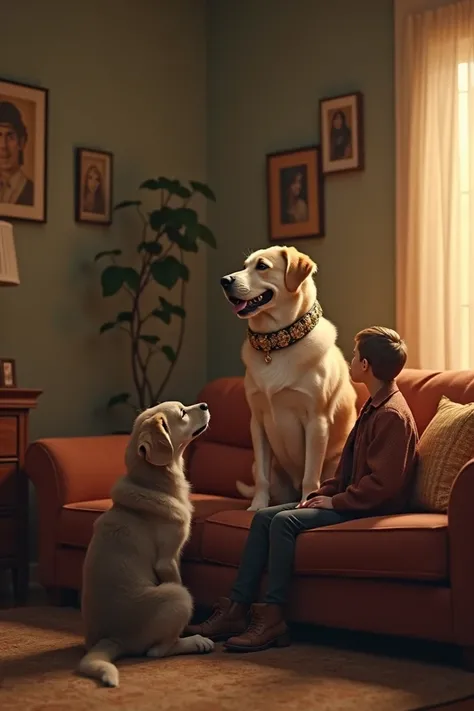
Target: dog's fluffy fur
(302,403)
(133,601)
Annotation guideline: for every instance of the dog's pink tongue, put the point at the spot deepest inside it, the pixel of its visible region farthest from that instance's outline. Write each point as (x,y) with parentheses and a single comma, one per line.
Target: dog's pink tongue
(239,307)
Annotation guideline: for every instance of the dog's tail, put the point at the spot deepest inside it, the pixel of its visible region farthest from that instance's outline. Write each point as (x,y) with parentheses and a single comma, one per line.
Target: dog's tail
(97,663)
(244,489)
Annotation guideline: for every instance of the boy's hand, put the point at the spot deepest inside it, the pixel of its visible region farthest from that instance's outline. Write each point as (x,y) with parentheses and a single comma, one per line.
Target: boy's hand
(317,502)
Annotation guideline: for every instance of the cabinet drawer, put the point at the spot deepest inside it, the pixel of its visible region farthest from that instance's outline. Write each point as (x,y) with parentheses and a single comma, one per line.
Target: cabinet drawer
(8,436)
(7,537)
(8,480)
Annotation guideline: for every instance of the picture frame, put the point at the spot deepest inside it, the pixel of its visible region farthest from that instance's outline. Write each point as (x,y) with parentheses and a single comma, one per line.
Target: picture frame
(7,373)
(23,172)
(295,194)
(342,133)
(93,186)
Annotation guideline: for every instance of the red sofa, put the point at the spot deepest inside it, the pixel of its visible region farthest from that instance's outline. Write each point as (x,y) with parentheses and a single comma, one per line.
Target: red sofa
(410,575)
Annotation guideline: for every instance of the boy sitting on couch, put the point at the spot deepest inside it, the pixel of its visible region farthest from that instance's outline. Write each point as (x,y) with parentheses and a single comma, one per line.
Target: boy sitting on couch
(373,478)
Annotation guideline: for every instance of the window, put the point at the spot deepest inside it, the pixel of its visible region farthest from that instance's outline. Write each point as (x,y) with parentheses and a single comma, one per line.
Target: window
(465,247)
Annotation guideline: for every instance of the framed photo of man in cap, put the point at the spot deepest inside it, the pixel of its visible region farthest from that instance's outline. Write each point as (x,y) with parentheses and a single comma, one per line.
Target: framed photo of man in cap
(23,143)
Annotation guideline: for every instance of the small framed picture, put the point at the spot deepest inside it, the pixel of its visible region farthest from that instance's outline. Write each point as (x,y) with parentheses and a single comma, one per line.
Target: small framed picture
(93,186)
(342,133)
(295,194)
(23,142)
(7,373)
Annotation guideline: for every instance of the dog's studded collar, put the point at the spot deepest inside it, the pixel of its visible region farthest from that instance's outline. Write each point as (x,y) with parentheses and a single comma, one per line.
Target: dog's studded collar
(276,340)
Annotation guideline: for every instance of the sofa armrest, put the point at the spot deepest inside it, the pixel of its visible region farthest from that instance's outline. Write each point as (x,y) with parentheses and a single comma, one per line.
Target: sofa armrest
(68,470)
(461,554)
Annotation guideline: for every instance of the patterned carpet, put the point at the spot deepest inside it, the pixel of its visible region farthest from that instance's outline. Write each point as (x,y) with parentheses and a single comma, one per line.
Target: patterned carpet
(41,646)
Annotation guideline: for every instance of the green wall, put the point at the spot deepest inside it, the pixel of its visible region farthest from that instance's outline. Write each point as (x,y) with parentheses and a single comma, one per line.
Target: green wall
(269,63)
(129,78)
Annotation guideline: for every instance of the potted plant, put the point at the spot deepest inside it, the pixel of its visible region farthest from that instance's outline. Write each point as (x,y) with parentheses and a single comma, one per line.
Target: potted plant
(166,234)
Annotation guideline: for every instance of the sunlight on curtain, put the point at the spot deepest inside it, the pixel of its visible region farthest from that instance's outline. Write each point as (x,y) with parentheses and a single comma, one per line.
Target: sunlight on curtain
(466,354)
(435,188)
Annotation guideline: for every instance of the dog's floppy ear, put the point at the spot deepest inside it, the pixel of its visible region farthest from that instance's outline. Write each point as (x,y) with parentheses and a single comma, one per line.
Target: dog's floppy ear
(154,443)
(298,267)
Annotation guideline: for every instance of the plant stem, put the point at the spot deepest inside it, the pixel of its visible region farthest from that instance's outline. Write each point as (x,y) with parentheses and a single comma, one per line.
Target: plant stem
(180,340)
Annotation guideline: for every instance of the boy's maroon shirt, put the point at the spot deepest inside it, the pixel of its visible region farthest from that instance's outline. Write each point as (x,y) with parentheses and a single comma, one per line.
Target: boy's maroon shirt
(378,461)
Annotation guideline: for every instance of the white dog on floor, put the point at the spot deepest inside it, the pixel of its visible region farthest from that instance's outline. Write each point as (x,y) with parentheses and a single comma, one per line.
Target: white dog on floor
(133,601)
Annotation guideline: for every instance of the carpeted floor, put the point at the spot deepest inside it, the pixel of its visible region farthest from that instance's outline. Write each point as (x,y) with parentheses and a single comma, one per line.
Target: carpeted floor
(41,646)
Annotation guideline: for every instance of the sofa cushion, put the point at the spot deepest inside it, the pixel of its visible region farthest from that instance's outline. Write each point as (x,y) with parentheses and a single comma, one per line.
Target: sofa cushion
(423,390)
(215,467)
(76,521)
(405,547)
(445,447)
(206,505)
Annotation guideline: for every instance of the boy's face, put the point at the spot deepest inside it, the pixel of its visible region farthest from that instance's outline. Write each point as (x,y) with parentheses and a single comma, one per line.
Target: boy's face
(359,368)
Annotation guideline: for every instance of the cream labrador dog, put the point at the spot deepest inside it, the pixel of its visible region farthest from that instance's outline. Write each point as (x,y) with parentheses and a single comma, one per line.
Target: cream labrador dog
(133,601)
(297,381)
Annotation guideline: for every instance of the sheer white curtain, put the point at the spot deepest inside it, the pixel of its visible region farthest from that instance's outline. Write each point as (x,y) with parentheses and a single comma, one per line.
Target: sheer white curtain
(435,187)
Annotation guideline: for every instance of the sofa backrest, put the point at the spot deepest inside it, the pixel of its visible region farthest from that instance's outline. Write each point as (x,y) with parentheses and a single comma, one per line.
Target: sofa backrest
(224,453)
(423,390)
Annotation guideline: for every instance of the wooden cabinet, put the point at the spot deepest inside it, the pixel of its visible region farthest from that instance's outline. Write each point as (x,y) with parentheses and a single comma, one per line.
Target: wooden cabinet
(15,406)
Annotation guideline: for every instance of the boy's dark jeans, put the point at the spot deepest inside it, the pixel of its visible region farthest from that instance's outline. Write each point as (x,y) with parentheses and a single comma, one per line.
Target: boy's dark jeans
(272,540)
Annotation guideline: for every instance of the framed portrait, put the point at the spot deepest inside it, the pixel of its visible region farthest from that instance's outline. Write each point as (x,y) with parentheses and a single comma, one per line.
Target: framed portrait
(342,133)
(23,148)
(93,193)
(295,194)
(7,373)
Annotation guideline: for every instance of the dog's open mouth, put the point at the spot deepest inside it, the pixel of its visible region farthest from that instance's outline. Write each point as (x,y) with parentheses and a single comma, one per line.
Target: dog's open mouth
(199,431)
(244,308)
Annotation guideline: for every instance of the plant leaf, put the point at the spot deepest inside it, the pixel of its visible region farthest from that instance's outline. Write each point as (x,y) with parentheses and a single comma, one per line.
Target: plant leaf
(150,247)
(182,217)
(165,316)
(183,192)
(186,241)
(127,203)
(107,253)
(158,218)
(125,316)
(107,326)
(131,277)
(171,308)
(205,234)
(118,399)
(112,279)
(166,272)
(150,339)
(169,353)
(151,184)
(203,189)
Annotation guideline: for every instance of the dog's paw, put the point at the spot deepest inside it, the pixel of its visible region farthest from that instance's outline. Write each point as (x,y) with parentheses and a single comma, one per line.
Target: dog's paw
(158,651)
(260,502)
(110,677)
(203,645)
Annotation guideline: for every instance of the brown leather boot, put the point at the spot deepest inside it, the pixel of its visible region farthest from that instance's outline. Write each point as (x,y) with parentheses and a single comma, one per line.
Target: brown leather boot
(267,628)
(228,618)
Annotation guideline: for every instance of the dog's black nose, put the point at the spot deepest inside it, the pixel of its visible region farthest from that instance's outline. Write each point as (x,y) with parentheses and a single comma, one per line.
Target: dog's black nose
(227,281)
(203,406)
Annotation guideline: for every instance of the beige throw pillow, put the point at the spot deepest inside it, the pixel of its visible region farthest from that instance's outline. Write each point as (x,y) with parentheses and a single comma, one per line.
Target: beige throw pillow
(445,447)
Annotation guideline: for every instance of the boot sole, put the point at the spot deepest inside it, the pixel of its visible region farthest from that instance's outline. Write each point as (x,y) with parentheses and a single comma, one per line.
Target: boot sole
(282,641)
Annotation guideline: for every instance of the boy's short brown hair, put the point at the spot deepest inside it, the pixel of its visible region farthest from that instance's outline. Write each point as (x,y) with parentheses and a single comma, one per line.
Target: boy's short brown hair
(384,350)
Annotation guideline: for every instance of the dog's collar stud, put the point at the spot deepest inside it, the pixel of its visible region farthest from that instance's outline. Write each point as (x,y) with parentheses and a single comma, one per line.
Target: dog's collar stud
(276,340)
